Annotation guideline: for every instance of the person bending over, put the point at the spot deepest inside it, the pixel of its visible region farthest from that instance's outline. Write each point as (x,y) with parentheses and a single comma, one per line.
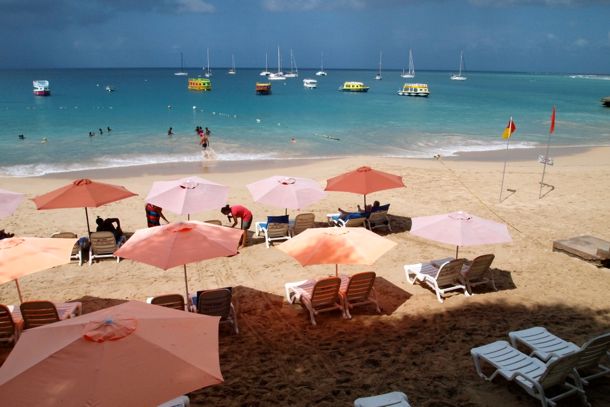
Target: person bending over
(238,211)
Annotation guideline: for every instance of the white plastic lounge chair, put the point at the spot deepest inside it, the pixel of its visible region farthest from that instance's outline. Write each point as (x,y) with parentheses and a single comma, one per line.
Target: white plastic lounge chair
(545,346)
(533,375)
(442,280)
(175,301)
(102,245)
(218,303)
(276,228)
(315,296)
(351,222)
(303,221)
(479,272)
(378,219)
(182,401)
(360,290)
(394,399)
(77,253)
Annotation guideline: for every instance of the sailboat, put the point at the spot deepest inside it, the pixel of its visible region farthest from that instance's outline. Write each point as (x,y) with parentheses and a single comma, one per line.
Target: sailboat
(232,71)
(411,73)
(181,73)
(321,72)
(208,71)
(294,71)
(279,76)
(266,71)
(458,76)
(378,76)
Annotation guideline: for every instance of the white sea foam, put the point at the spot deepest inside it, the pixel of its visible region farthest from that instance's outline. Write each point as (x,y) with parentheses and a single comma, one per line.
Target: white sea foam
(594,77)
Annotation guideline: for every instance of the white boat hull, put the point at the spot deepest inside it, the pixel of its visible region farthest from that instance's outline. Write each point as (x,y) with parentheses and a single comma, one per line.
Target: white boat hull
(321,73)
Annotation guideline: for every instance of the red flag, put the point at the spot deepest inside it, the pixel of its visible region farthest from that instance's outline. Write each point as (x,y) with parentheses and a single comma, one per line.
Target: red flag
(510,129)
(552,129)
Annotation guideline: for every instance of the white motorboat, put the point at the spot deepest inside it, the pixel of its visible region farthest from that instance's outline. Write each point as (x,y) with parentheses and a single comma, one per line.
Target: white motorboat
(310,83)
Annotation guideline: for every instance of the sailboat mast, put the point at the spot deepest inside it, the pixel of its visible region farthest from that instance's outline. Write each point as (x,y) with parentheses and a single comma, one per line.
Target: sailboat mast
(322,61)
(278,60)
(380,54)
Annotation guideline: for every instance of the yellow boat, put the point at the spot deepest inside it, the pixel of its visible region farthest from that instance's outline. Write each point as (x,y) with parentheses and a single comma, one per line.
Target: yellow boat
(354,87)
(200,84)
(414,89)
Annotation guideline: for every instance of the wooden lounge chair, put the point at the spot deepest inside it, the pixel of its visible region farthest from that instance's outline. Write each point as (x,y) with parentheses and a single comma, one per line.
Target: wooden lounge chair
(315,296)
(181,401)
(103,245)
(276,228)
(442,280)
(38,313)
(479,272)
(545,346)
(175,301)
(77,252)
(218,303)
(360,291)
(378,219)
(394,399)
(533,375)
(8,329)
(302,222)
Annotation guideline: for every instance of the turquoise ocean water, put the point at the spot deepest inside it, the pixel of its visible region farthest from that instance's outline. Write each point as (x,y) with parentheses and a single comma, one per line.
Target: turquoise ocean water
(458,116)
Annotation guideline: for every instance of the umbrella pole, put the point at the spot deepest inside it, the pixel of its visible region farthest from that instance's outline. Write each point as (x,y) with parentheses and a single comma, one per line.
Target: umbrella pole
(186,284)
(364,203)
(286,211)
(87,217)
(457,248)
(188,216)
(19,291)
(336,270)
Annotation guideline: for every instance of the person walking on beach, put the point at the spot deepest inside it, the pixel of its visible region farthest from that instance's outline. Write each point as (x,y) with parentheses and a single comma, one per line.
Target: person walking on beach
(154,214)
(238,211)
(204,141)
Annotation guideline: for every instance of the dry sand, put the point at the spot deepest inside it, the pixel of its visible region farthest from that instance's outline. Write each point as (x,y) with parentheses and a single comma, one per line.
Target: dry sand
(418,345)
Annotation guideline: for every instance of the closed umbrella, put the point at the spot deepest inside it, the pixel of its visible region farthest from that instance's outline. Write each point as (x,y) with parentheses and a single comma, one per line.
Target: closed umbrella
(9,201)
(20,256)
(82,193)
(364,180)
(180,243)
(188,195)
(286,192)
(132,354)
(336,246)
(460,229)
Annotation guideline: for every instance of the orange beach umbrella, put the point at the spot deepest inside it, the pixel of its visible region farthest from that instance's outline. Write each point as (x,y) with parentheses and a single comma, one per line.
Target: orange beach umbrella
(364,180)
(132,354)
(20,256)
(82,193)
(180,243)
(336,246)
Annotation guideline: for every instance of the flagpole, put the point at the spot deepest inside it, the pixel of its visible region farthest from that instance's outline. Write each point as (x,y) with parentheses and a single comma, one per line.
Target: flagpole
(546,155)
(510,126)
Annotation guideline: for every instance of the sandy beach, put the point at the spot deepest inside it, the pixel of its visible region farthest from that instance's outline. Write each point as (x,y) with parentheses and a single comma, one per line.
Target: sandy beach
(417,346)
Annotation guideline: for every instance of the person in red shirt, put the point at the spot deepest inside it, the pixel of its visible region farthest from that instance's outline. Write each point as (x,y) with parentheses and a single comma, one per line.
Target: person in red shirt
(238,211)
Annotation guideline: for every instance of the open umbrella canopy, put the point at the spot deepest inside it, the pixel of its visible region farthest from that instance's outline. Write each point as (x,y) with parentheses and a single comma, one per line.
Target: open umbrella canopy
(188,195)
(460,229)
(364,180)
(179,243)
(20,256)
(336,246)
(130,354)
(82,193)
(286,192)
(9,201)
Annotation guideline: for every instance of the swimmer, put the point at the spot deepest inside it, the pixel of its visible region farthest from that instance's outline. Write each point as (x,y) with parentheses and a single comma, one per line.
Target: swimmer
(101,131)
(331,137)
(44,140)
(170,131)
(91,134)
(293,140)
(21,137)
(108,129)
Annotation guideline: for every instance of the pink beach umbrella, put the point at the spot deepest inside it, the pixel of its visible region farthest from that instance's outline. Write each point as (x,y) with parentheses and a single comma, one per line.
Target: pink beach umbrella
(188,195)
(460,229)
(9,201)
(286,192)
(180,243)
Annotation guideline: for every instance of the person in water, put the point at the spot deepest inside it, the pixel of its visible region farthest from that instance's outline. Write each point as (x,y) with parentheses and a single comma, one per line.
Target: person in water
(108,129)
(101,131)
(170,131)
(21,137)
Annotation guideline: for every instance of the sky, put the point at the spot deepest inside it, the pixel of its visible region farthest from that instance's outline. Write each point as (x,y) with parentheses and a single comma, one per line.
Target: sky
(563,36)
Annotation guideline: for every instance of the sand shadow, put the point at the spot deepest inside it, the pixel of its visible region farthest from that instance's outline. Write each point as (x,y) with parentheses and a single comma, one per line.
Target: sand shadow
(389,295)
(91,303)
(280,358)
(400,223)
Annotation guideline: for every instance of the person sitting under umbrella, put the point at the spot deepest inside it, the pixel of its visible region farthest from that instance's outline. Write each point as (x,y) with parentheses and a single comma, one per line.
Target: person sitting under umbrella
(107,225)
(362,212)
(241,212)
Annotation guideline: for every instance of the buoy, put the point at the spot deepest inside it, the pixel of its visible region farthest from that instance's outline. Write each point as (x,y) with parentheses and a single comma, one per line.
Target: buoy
(258,120)
(194,107)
